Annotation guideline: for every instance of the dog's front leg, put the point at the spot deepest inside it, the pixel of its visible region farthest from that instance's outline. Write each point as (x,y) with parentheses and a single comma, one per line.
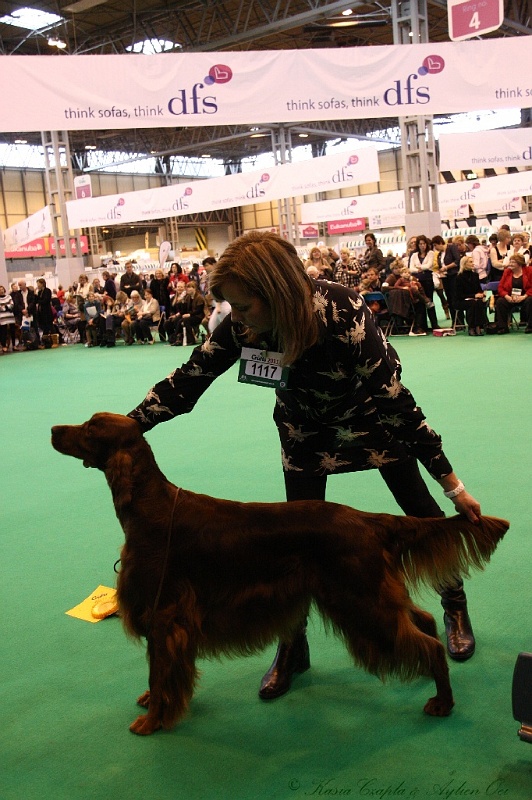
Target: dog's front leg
(172,656)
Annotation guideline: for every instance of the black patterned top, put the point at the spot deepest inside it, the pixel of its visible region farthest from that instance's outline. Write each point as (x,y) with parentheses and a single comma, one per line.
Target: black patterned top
(344,408)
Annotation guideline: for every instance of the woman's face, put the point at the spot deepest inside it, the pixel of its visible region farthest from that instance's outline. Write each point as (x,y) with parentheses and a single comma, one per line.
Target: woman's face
(513,264)
(344,255)
(517,242)
(422,246)
(315,254)
(251,311)
(369,241)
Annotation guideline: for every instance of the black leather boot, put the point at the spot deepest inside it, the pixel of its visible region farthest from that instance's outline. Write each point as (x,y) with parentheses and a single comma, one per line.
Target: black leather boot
(291,658)
(460,636)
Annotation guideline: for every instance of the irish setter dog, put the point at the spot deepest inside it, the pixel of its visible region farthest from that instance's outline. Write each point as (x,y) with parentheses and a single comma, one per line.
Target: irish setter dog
(201,576)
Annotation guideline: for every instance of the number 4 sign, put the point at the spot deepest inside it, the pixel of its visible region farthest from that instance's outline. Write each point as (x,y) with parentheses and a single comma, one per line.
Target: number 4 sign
(472,18)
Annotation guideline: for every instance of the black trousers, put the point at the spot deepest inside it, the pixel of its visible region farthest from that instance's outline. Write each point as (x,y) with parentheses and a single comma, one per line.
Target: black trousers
(403,479)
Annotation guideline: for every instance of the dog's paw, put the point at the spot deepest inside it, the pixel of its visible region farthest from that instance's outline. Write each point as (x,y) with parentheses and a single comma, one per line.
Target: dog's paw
(144,699)
(437,707)
(144,726)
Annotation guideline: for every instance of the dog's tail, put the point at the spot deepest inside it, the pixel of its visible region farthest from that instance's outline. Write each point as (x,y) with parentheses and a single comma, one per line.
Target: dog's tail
(438,550)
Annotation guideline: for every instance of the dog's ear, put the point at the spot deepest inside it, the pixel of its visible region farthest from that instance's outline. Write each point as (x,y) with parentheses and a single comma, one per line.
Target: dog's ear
(118,471)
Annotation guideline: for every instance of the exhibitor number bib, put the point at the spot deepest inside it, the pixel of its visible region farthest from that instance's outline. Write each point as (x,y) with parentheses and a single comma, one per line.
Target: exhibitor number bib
(262,368)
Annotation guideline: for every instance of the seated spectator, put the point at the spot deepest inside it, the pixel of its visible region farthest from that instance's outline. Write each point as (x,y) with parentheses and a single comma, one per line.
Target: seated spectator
(97,287)
(175,276)
(7,320)
(347,270)
(130,281)
(419,300)
(470,297)
(369,282)
(190,313)
(73,326)
(91,311)
(114,317)
(148,315)
(82,289)
(515,293)
(317,260)
(133,309)
(173,315)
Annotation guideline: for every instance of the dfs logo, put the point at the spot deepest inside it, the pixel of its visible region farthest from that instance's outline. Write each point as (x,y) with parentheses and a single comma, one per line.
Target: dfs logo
(195,102)
(345,174)
(350,210)
(408,93)
(181,204)
(257,190)
(115,213)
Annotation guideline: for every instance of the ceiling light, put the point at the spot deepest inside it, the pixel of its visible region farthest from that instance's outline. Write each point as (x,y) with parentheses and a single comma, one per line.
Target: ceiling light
(303,135)
(347,12)
(59,43)
(90,147)
(21,141)
(82,5)
(205,155)
(257,135)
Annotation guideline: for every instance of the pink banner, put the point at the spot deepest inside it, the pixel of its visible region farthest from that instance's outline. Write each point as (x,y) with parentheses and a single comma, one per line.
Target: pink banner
(346,225)
(40,248)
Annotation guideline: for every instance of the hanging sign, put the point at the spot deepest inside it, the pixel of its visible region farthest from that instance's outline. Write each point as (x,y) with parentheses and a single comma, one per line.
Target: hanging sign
(473,17)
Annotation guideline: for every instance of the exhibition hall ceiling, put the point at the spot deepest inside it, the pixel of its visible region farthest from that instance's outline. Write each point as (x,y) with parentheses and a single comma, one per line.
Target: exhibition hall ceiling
(119,26)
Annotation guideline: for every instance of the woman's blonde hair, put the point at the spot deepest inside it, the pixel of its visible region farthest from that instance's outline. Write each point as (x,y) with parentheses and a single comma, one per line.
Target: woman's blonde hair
(268,267)
(466,262)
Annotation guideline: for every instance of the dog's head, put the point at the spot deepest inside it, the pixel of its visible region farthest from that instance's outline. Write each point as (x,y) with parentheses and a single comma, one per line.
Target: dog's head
(106,442)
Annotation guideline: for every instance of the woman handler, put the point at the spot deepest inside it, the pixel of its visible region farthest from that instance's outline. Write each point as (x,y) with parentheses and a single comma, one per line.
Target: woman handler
(340,405)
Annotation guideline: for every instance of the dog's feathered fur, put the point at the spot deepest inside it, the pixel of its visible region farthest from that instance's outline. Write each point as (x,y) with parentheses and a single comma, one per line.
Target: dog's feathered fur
(230,578)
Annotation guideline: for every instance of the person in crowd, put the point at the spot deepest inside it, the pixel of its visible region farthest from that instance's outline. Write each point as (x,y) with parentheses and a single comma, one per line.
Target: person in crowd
(133,309)
(479,254)
(194,274)
(61,294)
(419,301)
(43,307)
(498,252)
(172,325)
(159,289)
(514,294)
(149,314)
(109,286)
(409,252)
(342,409)
(92,311)
(175,276)
(438,271)
(130,280)
(7,320)
(24,307)
(97,287)
(421,267)
(517,247)
(347,270)
(369,282)
(316,259)
(329,255)
(454,251)
(470,297)
(191,309)
(82,291)
(115,316)
(373,256)
(74,324)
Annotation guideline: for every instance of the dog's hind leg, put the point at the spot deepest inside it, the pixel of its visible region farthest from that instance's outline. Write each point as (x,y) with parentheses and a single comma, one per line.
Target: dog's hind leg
(171,654)
(424,621)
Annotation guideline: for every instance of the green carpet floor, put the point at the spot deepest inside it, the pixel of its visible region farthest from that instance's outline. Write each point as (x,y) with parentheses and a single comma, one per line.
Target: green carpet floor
(68,688)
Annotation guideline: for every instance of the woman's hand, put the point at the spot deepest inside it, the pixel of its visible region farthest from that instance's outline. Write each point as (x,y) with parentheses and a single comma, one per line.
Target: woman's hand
(467,505)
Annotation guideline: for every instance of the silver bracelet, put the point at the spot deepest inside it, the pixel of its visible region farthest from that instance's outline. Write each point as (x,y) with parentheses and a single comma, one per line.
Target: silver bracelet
(460,488)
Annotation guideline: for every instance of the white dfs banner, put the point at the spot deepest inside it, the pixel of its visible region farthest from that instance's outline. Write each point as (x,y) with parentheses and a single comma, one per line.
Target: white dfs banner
(485,195)
(39,224)
(286,180)
(511,147)
(198,89)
